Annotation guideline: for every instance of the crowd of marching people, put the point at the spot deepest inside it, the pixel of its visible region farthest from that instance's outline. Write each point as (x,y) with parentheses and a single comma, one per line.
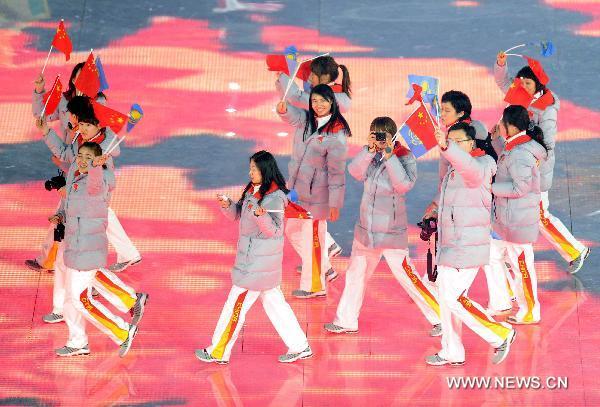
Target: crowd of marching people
(490,207)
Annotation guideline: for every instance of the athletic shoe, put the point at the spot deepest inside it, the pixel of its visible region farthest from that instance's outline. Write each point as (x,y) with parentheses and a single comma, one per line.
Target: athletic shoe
(137,311)
(331,275)
(576,264)
(299,269)
(68,351)
(35,266)
(125,346)
(206,357)
(119,267)
(502,351)
(436,330)
(334,250)
(95,292)
(336,329)
(292,357)
(308,294)
(53,318)
(437,360)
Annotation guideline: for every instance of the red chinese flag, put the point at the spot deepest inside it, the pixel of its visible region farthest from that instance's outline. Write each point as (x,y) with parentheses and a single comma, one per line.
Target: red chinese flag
(109,117)
(517,95)
(278,63)
(88,80)
(61,41)
(304,71)
(52,98)
(421,125)
(537,69)
(295,211)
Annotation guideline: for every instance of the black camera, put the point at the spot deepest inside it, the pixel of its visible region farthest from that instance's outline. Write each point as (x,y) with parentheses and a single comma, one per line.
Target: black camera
(59,232)
(380,135)
(428,227)
(55,183)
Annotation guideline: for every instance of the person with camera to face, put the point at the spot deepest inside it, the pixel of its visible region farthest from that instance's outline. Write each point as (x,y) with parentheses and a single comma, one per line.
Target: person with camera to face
(464,227)
(389,171)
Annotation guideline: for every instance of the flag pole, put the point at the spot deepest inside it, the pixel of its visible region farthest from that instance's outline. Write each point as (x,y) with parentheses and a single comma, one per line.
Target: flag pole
(514,55)
(50,94)
(289,85)
(112,142)
(116,145)
(47,58)
(515,47)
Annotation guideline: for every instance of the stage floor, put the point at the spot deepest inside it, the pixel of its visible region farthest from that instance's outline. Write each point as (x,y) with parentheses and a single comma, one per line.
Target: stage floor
(198,71)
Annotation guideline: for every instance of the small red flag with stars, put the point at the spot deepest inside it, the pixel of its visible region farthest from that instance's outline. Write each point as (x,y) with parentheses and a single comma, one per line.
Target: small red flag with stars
(109,117)
(422,128)
(517,95)
(52,98)
(295,211)
(88,80)
(61,41)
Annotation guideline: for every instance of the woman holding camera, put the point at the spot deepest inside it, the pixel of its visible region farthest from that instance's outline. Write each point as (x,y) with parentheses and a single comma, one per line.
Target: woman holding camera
(389,171)
(464,225)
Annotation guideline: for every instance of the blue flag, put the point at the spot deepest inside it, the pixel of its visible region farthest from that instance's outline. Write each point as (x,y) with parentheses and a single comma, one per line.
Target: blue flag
(103,81)
(428,83)
(414,143)
(135,115)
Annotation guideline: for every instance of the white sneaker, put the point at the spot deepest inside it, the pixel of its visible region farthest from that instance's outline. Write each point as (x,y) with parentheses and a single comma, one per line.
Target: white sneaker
(53,318)
(436,330)
(577,264)
(292,357)
(308,294)
(334,250)
(119,267)
(437,360)
(68,351)
(336,329)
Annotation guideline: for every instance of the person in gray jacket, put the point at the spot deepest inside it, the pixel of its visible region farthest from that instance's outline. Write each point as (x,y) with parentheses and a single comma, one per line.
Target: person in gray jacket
(323,70)
(317,171)
(257,269)
(389,171)
(516,190)
(84,213)
(464,246)
(543,110)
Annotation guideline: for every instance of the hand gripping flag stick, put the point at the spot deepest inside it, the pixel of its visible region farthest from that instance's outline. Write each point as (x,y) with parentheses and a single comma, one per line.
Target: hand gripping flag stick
(289,85)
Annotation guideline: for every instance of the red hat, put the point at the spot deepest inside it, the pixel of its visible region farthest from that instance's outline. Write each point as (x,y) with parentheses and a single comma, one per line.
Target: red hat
(537,69)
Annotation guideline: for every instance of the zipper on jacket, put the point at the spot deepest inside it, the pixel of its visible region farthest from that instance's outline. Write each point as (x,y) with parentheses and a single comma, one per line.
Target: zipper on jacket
(312,181)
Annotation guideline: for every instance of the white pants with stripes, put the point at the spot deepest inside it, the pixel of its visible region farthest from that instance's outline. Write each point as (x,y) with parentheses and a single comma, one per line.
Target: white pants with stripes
(557,233)
(363,262)
(80,306)
(117,237)
(307,237)
(456,308)
(232,318)
(119,294)
(521,260)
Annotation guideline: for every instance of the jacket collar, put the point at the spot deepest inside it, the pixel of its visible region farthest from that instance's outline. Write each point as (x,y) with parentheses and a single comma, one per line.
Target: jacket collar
(516,140)
(271,189)
(541,103)
(477,152)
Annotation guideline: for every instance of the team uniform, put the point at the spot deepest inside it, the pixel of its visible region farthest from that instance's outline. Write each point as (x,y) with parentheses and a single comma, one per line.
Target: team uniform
(317,171)
(85,251)
(464,205)
(257,274)
(382,231)
(516,217)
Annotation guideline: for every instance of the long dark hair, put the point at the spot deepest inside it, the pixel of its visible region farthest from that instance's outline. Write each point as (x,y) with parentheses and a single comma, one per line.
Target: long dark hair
(71,90)
(336,116)
(326,65)
(519,117)
(267,165)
